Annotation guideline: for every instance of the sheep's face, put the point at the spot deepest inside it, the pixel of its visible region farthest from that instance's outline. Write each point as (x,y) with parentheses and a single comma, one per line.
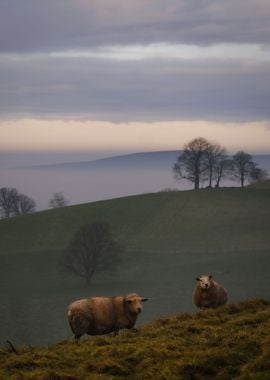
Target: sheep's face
(204,282)
(133,303)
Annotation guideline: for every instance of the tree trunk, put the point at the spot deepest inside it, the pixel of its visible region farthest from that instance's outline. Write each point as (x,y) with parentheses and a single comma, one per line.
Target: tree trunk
(197,177)
(210,177)
(90,273)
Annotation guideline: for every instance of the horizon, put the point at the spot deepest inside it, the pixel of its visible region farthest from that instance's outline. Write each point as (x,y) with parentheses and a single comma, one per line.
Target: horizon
(41,177)
(82,81)
(33,136)
(17,159)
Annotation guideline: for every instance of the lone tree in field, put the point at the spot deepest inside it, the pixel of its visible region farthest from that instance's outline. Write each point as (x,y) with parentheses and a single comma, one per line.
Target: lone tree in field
(92,249)
(58,200)
(245,169)
(193,164)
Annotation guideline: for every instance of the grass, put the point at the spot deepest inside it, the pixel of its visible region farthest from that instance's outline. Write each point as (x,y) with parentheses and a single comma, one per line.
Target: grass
(228,217)
(232,342)
(171,238)
(260,185)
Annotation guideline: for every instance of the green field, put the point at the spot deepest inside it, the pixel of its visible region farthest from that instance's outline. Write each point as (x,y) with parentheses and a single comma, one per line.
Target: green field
(170,238)
(232,342)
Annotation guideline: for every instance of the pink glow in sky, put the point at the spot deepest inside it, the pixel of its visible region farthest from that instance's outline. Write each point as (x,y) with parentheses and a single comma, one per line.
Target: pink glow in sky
(130,75)
(58,135)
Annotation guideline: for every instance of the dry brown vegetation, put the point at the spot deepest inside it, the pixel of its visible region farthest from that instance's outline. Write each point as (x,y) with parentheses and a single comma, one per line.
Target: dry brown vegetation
(232,342)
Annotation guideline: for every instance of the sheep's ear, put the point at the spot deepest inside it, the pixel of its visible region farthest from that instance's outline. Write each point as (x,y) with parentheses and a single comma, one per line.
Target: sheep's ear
(198,279)
(210,277)
(144,299)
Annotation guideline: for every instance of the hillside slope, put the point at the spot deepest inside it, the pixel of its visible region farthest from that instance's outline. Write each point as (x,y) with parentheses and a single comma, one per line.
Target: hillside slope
(139,161)
(213,219)
(260,185)
(232,342)
(171,238)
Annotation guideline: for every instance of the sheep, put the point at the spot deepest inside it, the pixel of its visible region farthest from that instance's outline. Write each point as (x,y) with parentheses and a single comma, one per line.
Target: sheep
(209,293)
(102,315)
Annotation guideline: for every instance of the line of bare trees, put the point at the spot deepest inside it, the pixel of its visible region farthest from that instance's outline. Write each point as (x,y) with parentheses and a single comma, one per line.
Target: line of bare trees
(204,162)
(13,203)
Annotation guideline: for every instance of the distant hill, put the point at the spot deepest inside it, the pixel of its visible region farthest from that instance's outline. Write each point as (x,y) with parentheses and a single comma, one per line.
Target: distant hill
(89,181)
(106,178)
(139,161)
(170,239)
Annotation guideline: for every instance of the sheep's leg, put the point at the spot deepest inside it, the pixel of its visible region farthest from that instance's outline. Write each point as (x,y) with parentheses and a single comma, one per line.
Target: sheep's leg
(77,339)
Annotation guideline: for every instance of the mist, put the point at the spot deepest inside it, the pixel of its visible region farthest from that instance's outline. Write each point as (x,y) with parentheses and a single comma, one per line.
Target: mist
(92,176)
(80,183)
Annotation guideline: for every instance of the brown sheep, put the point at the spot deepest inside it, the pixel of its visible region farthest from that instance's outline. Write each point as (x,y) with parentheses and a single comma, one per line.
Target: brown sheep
(209,293)
(102,315)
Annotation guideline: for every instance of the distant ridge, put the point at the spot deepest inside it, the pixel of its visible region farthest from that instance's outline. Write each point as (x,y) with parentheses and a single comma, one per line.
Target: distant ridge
(106,178)
(142,160)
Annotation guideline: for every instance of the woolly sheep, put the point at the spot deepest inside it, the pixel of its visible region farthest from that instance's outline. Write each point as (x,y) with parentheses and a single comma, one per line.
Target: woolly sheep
(209,293)
(102,315)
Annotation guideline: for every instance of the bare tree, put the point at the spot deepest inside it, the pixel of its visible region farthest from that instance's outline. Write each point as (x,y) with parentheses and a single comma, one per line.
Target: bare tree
(257,174)
(25,205)
(215,156)
(8,201)
(203,161)
(243,167)
(192,164)
(58,200)
(222,168)
(92,249)
(13,203)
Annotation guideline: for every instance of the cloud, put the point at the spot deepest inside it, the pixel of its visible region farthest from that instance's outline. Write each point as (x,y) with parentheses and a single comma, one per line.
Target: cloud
(126,60)
(162,51)
(38,25)
(148,90)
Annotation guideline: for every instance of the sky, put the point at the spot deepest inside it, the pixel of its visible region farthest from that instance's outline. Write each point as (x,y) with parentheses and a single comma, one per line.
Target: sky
(129,76)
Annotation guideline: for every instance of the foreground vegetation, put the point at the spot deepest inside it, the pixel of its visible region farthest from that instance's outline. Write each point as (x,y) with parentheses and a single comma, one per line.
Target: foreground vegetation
(232,342)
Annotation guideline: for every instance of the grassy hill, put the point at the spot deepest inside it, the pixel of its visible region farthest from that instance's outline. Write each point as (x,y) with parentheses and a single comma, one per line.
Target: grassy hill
(208,219)
(171,238)
(260,185)
(232,342)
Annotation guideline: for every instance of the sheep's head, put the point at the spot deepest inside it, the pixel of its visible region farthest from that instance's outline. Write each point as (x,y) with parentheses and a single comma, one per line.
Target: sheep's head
(204,282)
(133,303)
